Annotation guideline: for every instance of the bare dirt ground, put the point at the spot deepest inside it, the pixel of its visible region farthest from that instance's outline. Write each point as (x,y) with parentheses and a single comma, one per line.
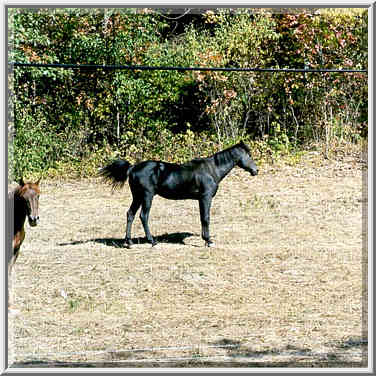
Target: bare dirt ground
(284,285)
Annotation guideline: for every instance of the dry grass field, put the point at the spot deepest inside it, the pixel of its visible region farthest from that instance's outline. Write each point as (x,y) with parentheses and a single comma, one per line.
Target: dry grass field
(283,285)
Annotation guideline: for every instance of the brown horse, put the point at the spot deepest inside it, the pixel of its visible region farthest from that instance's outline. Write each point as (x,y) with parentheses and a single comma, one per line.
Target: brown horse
(25,202)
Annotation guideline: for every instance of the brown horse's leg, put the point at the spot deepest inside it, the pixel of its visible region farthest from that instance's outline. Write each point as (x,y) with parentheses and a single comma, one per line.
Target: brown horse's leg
(17,241)
(11,263)
(13,260)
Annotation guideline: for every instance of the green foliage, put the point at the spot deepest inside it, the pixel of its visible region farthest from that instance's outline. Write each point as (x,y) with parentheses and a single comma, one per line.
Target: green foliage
(67,121)
(252,103)
(34,147)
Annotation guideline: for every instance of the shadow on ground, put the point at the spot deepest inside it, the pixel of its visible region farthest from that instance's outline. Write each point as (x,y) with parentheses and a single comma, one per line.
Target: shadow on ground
(173,238)
(234,352)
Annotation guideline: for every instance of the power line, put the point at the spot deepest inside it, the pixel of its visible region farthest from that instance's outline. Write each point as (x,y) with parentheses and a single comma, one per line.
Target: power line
(182,69)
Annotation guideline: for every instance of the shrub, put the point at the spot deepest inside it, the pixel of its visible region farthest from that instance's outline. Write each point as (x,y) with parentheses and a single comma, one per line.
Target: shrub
(67,116)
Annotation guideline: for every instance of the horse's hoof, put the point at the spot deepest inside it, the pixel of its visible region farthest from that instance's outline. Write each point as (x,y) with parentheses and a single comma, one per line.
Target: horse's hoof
(209,244)
(128,244)
(154,243)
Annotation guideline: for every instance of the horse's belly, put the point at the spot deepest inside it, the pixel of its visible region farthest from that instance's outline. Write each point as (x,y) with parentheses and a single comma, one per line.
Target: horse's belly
(179,187)
(179,191)
(173,195)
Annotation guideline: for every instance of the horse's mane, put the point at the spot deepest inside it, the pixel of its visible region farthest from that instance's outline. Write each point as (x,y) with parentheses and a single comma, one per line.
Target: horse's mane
(14,191)
(244,146)
(220,156)
(225,155)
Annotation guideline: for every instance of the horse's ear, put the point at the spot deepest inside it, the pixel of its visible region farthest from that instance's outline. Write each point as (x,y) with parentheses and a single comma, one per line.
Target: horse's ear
(21,182)
(244,146)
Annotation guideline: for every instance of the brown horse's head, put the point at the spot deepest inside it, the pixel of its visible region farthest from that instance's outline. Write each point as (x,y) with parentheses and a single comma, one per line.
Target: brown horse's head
(30,192)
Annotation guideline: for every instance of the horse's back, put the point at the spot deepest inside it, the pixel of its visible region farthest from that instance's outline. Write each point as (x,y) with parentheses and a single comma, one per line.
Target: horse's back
(188,181)
(170,180)
(144,175)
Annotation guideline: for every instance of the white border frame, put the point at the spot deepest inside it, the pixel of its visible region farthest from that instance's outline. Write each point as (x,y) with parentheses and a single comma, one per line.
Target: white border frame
(370,177)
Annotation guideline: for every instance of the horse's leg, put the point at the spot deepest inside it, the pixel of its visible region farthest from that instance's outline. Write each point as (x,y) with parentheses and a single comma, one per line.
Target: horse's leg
(205,204)
(136,203)
(145,210)
(15,251)
(11,263)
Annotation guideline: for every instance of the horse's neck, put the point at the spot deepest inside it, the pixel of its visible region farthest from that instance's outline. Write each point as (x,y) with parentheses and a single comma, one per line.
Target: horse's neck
(19,211)
(224,163)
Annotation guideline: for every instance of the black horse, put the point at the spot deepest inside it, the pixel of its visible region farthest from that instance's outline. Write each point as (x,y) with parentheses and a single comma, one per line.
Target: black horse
(197,180)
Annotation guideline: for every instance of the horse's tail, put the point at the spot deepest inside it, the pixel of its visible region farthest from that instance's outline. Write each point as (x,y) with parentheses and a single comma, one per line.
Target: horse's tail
(116,173)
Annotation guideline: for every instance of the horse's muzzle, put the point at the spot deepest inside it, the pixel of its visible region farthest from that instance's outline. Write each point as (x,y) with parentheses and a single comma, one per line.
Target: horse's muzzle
(254,172)
(33,221)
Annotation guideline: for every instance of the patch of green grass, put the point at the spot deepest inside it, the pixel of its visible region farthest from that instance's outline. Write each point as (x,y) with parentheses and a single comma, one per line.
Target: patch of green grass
(73,305)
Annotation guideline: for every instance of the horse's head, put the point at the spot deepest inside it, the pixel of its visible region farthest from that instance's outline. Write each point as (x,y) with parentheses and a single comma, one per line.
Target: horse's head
(245,160)
(30,192)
